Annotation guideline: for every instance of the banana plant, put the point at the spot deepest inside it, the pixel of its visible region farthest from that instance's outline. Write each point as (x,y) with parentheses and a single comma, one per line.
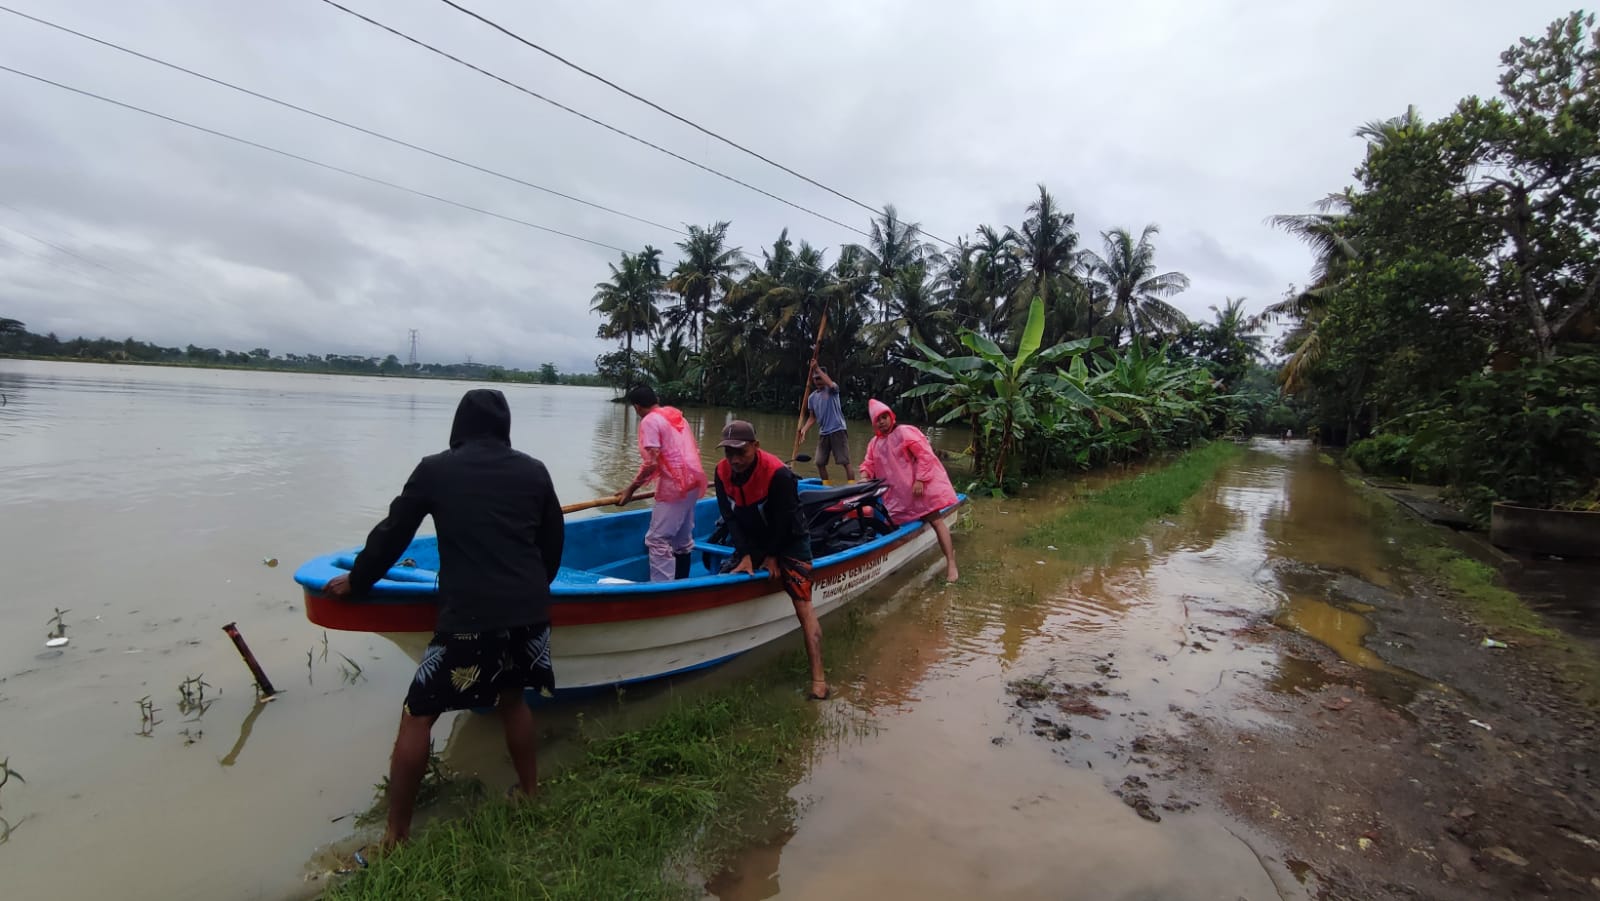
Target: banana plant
(1000,396)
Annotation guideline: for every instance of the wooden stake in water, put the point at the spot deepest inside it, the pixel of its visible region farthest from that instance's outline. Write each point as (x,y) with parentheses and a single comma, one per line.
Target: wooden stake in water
(262,682)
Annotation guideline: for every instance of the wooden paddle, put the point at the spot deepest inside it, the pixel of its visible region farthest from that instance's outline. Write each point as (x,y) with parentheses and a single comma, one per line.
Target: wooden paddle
(601,502)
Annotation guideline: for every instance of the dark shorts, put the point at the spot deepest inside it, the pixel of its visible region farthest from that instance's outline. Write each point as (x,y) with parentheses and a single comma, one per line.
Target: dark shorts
(465,670)
(835,445)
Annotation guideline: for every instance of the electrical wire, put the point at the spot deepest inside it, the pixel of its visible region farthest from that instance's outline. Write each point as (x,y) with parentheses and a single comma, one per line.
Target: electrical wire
(305,159)
(588,118)
(336,121)
(669,113)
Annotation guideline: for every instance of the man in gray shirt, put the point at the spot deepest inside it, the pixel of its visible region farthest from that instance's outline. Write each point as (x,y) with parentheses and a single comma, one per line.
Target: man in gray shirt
(823,404)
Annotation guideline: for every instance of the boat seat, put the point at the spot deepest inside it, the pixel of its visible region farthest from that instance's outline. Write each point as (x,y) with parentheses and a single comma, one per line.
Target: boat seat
(710,548)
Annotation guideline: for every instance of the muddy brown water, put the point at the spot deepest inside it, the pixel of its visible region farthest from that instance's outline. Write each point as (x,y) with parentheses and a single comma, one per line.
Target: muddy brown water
(966,783)
(143,501)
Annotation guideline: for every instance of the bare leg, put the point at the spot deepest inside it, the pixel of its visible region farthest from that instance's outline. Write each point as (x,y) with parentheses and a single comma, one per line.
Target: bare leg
(406,766)
(811,629)
(822,470)
(942,531)
(521,740)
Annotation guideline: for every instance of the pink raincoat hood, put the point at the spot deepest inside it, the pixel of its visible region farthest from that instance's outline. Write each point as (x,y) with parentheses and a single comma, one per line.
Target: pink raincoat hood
(876,408)
(674,416)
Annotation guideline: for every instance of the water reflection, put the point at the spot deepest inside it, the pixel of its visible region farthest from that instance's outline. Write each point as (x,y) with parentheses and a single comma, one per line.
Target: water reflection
(175,484)
(1164,623)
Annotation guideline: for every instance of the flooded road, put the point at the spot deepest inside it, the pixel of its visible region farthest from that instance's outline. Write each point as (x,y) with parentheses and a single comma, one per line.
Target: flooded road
(1011,722)
(143,503)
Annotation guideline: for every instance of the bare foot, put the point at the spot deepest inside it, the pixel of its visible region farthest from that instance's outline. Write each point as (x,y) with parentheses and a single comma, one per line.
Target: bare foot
(952,574)
(391,842)
(819,694)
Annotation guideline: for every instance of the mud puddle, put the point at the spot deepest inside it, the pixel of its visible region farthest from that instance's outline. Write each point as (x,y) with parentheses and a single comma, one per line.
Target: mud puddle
(1253,700)
(1025,721)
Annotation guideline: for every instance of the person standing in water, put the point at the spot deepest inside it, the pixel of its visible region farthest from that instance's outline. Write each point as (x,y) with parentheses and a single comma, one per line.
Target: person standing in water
(826,413)
(501,534)
(670,457)
(760,502)
(919,487)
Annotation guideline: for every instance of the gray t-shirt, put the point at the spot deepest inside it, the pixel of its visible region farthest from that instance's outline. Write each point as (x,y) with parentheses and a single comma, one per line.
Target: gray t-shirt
(824,403)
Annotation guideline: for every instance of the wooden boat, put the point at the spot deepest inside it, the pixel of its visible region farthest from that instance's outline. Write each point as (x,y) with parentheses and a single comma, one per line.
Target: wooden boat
(612,626)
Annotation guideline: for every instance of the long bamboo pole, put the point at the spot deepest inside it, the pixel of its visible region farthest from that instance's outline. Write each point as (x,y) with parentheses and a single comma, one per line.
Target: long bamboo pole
(805,392)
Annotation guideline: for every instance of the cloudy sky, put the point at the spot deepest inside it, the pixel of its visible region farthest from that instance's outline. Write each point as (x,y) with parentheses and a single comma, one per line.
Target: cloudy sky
(1202,117)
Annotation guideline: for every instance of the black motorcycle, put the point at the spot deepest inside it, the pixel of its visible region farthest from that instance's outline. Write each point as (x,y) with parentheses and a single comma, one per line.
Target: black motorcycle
(837,518)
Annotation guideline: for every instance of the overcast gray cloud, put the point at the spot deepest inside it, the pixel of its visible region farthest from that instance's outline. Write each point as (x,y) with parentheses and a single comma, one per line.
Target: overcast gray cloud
(1203,117)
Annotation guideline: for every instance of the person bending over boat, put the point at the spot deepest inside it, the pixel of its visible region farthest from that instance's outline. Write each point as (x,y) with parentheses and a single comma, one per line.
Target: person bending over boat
(919,487)
(760,501)
(500,539)
(670,457)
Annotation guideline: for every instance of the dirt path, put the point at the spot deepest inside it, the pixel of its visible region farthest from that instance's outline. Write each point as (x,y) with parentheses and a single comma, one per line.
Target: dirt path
(1456,772)
(1258,699)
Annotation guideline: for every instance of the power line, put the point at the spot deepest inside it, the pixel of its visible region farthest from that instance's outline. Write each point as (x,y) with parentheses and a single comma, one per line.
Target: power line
(305,159)
(336,121)
(56,247)
(588,118)
(663,110)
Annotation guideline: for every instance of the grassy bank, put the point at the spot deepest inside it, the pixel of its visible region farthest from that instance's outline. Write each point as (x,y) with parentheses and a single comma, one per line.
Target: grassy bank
(1102,520)
(640,812)
(1501,612)
(644,810)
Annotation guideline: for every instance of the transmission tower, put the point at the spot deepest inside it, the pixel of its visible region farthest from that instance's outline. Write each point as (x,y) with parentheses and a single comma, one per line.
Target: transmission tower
(412,362)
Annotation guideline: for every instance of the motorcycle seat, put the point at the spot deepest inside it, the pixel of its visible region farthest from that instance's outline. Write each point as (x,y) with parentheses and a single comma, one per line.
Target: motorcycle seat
(814,496)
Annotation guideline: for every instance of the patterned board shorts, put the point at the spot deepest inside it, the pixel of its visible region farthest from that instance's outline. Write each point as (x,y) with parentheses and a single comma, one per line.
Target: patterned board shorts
(466,670)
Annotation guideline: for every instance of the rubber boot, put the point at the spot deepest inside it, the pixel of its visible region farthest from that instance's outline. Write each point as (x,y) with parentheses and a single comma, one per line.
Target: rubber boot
(682,561)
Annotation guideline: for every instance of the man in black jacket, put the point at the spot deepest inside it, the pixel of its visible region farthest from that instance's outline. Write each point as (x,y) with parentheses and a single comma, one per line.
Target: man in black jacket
(760,502)
(500,532)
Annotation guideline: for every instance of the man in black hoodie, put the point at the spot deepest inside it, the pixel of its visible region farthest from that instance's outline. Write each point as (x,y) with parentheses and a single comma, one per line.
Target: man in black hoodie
(500,532)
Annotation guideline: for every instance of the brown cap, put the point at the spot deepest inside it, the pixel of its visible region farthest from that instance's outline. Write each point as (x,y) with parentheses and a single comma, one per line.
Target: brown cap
(737,434)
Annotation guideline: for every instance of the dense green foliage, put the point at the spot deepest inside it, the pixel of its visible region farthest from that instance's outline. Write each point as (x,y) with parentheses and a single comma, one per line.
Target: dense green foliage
(723,328)
(1451,311)
(1068,407)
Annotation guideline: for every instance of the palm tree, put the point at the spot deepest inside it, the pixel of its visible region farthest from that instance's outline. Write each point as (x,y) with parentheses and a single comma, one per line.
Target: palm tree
(1127,274)
(628,299)
(1046,256)
(995,274)
(1329,233)
(708,270)
(893,246)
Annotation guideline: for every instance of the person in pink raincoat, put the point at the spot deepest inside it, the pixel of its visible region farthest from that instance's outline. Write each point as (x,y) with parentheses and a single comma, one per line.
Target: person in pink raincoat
(670,457)
(919,488)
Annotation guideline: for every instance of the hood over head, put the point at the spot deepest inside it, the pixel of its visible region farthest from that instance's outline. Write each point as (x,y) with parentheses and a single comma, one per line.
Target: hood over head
(876,408)
(483,413)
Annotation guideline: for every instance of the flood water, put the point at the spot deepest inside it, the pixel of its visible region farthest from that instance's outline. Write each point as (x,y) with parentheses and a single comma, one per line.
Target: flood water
(957,789)
(143,502)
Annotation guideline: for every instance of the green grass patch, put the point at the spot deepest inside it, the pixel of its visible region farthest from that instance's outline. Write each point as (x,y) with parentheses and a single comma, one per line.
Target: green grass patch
(1104,519)
(1491,604)
(1499,611)
(642,810)
(629,821)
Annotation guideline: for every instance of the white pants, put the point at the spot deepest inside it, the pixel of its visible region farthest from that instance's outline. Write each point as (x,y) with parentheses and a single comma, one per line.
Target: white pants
(671,533)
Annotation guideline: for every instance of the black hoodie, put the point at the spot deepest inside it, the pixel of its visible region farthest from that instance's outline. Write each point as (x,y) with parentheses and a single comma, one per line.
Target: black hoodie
(499,523)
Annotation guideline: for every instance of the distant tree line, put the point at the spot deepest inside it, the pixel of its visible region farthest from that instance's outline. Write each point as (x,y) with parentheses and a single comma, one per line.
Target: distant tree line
(721,326)
(17,341)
